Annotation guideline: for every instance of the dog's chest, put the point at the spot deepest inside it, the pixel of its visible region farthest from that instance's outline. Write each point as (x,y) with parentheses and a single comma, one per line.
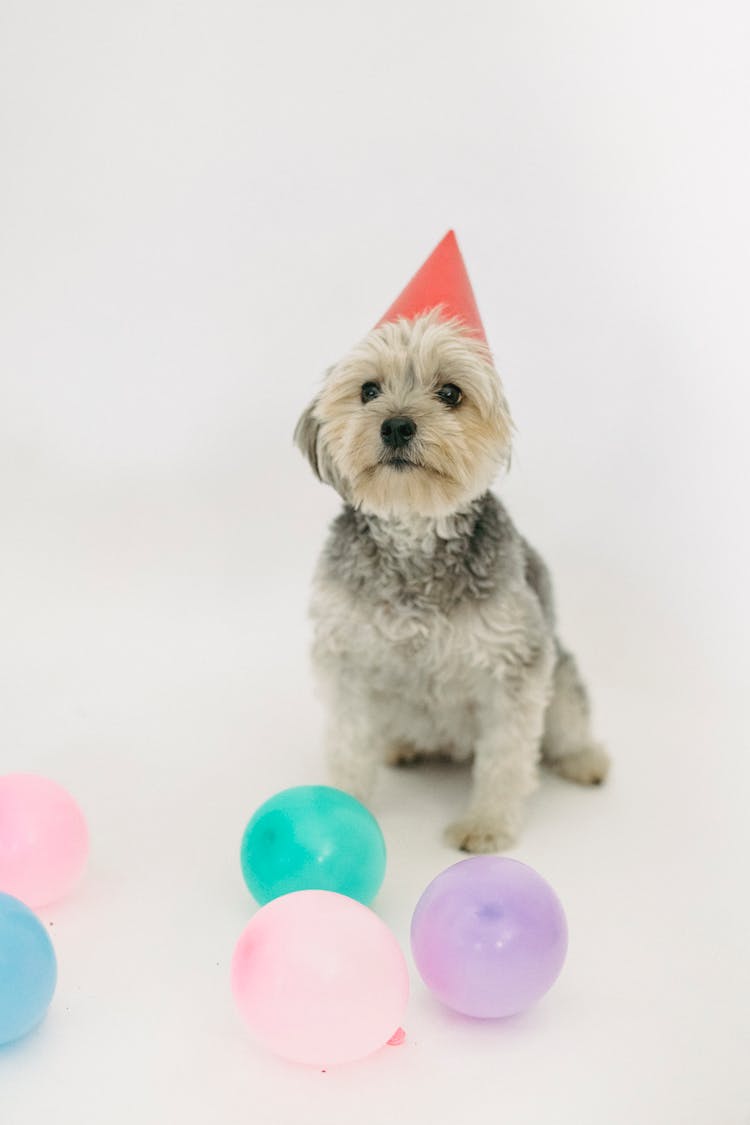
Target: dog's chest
(402,642)
(417,604)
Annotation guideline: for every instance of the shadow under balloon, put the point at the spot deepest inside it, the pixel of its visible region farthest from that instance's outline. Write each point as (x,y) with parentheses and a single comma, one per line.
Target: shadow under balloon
(17,1048)
(437,1017)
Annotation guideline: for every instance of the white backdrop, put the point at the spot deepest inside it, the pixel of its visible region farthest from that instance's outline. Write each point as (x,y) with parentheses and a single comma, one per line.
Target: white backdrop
(203,205)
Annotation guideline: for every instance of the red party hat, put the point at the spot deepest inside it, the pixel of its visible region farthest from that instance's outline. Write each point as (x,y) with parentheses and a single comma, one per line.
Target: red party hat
(442,280)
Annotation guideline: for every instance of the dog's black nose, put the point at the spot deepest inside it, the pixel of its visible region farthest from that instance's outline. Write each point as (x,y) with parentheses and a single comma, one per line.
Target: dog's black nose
(398,432)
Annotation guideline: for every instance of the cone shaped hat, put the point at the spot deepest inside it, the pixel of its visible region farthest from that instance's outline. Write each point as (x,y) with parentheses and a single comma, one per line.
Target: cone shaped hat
(442,280)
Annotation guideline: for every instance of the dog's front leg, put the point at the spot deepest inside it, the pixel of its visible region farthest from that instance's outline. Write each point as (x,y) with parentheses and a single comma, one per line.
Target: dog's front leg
(505,765)
(354,751)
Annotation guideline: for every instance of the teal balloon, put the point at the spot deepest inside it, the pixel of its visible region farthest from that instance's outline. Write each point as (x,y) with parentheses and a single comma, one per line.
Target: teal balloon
(28,970)
(313,837)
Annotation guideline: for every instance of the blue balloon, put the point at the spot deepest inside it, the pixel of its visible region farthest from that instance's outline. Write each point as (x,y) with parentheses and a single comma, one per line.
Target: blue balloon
(28,969)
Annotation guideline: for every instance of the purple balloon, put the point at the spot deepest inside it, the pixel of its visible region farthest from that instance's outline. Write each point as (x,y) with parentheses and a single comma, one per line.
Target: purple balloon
(489,936)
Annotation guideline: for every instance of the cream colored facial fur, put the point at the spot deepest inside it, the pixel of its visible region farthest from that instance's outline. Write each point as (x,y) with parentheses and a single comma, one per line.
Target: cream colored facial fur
(456,451)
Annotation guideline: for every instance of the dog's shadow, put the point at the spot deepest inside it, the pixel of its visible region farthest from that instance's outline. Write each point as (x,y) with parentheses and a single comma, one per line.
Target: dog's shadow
(438,779)
(425,787)
(416,801)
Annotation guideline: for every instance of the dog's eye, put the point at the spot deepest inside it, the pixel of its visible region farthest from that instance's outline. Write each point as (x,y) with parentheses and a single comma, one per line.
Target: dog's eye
(369,391)
(450,394)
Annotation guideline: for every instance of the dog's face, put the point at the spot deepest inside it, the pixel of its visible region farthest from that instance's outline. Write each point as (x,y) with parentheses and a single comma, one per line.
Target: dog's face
(412,421)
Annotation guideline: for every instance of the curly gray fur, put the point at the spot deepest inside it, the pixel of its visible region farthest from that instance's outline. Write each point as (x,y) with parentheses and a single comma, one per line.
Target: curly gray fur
(480,552)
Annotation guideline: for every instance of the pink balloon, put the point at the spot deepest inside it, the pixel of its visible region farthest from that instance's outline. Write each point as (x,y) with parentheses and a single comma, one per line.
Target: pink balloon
(319,978)
(43,839)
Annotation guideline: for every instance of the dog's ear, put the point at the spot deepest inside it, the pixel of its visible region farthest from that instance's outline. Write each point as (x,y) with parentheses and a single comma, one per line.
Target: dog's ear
(307,435)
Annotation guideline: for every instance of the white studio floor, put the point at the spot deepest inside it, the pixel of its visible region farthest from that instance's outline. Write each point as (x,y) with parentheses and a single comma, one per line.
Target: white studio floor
(169,690)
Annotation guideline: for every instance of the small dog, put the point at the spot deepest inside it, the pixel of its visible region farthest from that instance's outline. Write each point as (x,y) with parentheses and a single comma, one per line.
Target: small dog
(433,617)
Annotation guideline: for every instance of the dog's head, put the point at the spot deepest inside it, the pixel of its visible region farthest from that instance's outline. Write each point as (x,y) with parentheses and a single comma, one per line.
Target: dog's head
(412,421)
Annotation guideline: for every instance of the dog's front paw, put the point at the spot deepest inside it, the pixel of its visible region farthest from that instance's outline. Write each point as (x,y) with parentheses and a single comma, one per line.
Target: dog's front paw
(587,766)
(480,835)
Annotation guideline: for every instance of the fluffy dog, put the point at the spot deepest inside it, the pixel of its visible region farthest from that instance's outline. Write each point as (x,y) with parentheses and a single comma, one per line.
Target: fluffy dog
(434,619)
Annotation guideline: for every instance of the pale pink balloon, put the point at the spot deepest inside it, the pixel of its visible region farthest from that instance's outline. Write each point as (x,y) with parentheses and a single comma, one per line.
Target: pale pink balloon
(319,978)
(44,841)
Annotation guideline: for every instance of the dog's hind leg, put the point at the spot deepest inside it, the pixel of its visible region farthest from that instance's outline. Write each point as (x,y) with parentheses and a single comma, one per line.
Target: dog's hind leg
(568,747)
